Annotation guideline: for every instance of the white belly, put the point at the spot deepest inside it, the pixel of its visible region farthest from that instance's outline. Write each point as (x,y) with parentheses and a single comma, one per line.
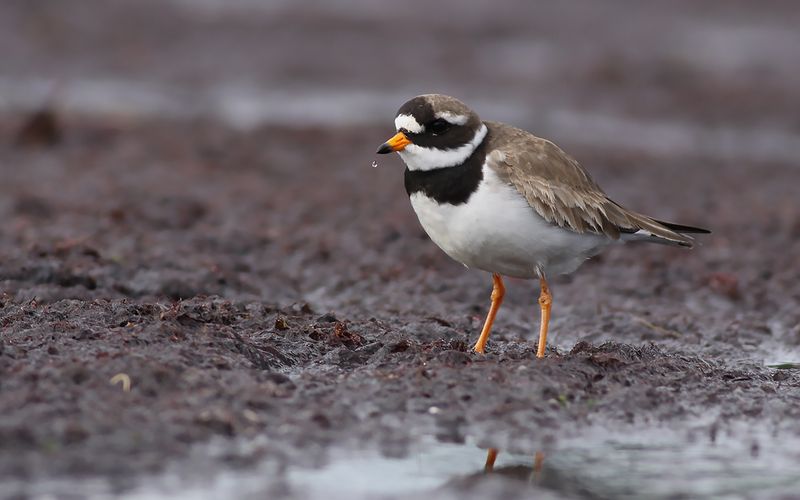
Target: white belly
(497,231)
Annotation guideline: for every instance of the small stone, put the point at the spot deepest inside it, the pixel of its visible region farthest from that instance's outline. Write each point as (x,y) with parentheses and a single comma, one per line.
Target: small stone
(250,416)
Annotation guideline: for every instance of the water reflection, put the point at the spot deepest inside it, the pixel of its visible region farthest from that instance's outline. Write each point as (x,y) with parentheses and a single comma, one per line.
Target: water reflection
(664,464)
(741,462)
(491,456)
(533,476)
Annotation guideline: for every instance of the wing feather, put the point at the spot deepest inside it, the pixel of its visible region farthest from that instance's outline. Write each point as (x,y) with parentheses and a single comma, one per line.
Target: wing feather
(561,191)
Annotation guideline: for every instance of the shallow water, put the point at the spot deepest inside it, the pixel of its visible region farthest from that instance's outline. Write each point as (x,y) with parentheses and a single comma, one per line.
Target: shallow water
(652,463)
(655,463)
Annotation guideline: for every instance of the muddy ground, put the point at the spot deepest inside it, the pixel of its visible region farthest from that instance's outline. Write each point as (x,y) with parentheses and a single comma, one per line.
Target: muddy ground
(259,283)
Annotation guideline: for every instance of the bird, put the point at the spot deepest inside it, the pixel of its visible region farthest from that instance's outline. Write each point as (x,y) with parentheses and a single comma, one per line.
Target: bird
(502,200)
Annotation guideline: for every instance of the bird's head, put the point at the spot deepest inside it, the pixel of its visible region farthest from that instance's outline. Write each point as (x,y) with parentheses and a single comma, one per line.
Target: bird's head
(435,131)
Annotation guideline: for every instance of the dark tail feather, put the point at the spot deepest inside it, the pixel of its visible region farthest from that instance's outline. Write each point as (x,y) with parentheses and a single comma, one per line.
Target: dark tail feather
(655,231)
(680,228)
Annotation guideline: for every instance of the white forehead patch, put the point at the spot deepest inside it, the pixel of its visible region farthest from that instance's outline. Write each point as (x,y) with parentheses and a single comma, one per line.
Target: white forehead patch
(452,117)
(409,123)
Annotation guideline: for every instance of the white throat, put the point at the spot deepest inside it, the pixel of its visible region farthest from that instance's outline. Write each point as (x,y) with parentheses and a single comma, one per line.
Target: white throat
(419,158)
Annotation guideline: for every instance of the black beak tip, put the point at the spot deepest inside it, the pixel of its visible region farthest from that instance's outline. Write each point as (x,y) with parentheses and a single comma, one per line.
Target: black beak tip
(384,149)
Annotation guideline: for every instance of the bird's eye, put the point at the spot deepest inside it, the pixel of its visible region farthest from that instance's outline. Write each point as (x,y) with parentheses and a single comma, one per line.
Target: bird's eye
(439,126)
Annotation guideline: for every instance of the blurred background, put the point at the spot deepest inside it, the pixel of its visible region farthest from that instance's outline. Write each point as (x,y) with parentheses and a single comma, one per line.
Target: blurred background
(712,77)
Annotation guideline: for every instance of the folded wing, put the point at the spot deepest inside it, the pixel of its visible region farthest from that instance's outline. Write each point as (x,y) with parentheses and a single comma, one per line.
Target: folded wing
(563,193)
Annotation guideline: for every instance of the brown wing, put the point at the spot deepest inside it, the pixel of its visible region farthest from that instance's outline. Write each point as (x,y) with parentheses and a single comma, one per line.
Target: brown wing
(561,191)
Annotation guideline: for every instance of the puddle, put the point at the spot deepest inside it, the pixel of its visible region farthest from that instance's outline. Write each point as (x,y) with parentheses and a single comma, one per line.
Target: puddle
(657,463)
(625,468)
(665,465)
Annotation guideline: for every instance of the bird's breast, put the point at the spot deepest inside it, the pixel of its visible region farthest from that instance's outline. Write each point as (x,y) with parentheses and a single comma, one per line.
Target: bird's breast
(496,230)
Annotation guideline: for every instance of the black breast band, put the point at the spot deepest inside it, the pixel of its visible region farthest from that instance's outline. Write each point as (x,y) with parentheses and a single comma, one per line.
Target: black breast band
(453,185)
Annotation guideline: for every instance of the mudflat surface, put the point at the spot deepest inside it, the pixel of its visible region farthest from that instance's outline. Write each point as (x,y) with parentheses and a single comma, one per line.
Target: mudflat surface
(272,299)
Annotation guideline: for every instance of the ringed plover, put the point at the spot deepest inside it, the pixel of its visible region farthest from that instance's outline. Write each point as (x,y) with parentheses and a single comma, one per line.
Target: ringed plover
(497,198)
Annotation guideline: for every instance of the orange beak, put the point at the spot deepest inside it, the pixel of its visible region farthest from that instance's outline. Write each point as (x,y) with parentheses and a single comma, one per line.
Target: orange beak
(396,143)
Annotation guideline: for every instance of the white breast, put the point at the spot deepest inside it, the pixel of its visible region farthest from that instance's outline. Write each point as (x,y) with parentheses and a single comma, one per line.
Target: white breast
(497,231)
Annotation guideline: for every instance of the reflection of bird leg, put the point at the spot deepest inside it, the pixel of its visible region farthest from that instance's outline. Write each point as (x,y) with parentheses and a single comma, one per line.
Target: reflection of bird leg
(491,456)
(536,471)
(498,292)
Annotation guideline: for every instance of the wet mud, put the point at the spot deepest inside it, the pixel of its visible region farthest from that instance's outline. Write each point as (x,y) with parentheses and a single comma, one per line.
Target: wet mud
(172,285)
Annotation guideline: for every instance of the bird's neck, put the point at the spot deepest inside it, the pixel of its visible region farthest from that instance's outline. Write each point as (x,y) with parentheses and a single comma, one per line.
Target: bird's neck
(453,184)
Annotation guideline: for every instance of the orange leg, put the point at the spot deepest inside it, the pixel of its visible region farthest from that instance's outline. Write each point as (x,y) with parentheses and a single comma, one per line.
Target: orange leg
(545,300)
(498,292)
(491,456)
